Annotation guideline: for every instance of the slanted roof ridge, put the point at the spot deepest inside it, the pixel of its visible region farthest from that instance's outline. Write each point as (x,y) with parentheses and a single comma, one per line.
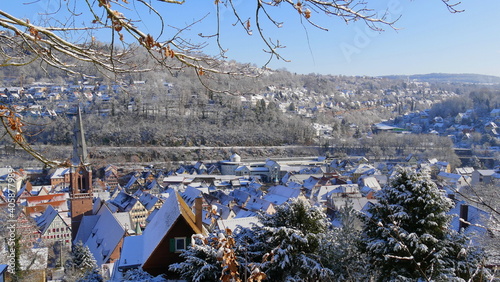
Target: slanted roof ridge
(187,213)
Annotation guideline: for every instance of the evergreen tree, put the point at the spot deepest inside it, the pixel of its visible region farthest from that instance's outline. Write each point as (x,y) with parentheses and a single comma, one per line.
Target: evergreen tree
(80,264)
(200,262)
(407,236)
(343,256)
(288,244)
(91,276)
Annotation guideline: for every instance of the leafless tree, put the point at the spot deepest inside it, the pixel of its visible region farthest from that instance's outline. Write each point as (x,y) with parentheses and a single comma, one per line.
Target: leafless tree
(54,41)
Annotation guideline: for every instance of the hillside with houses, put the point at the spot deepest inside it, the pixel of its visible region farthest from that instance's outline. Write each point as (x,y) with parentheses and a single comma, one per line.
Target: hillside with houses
(333,113)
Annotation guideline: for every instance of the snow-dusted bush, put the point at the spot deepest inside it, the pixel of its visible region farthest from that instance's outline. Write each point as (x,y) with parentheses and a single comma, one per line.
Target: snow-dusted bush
(140,275)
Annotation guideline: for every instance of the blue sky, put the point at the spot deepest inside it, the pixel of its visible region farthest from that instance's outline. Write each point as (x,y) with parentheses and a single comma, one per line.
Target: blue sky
(429,39)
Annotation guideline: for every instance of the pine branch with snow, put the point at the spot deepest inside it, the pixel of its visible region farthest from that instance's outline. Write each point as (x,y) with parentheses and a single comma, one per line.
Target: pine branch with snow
(200,261)
(139,275)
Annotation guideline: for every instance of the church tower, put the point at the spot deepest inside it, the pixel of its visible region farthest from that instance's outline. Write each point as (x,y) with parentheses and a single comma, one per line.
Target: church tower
(80,178)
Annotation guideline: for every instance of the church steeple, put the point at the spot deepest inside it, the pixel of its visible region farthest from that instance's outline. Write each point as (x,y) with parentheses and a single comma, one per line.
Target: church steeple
(79,146)
(80,178)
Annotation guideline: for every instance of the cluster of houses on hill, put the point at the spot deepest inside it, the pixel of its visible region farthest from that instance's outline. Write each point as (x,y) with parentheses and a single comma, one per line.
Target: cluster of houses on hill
(459,128)
(144,218)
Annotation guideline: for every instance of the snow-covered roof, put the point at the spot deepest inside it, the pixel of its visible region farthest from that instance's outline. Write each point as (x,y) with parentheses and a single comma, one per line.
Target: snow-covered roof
(280,194)
(358,203)
(47,218)
(123,201)
(245,222)
(308,180)
(344,189)
(190,194)
(242,213)
(364,169)
(464,170)
(451,176)
(241,168)
(293,184)
(477,217)
(259,169)
(131,182)
(85,228)
(125,220)
(148,200)
(173,207)
(174,179)
(321,193)
(257,204)
(59,173)
(486,172)
(104,236)
(131,255)
(371,182)
(240,196)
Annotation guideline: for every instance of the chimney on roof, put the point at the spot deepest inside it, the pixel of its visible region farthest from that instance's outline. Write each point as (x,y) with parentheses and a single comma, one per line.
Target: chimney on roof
(198,208)
(464,216)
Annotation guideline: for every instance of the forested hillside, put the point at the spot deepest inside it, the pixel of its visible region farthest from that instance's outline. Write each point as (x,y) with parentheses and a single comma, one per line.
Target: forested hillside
(262,108)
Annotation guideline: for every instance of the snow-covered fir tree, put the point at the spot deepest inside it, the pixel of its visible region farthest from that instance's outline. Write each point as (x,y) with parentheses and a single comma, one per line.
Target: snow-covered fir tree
(288,244)
(408,235)
(80,264)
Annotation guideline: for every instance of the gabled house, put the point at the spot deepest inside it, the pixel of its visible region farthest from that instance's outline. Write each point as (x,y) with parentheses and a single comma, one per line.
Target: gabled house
(150,201)
(53,228)
(110,176)
(280,194)
(464,171)
(259,205)
(455,180)
(312,181)
(103,234)
(369,185)
(60,178)
(124,202)
(11,179)
(135,182)
(363,169)
(318,195)
(485,176)
(161,243)
(344,195)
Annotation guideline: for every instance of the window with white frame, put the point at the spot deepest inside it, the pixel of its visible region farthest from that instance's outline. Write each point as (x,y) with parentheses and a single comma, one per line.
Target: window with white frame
(180,243)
